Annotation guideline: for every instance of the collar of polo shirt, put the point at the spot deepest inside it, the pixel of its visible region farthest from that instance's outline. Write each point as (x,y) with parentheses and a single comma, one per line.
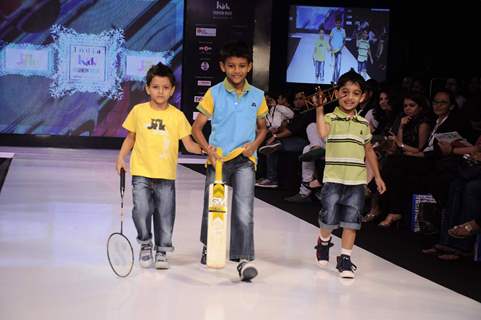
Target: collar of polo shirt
(230,88)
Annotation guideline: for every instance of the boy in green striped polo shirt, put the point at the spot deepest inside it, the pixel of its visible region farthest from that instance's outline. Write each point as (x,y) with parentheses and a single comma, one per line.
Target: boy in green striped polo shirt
(348,147)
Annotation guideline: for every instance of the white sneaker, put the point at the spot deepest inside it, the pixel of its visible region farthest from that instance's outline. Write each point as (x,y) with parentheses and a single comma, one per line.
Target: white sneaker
(161,260)
(145,256)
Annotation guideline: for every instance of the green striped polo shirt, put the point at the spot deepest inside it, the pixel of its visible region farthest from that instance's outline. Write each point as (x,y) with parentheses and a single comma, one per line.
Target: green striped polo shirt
(345,154)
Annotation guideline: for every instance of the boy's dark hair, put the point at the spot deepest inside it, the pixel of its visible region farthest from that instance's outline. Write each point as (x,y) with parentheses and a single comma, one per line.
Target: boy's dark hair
(236,49)
(354,77)
(160,70)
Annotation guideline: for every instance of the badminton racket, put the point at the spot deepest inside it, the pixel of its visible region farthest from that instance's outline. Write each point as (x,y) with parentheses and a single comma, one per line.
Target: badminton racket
(119,248)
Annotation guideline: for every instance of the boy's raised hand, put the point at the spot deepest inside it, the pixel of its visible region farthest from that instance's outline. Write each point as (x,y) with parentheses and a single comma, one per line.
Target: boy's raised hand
(318,100)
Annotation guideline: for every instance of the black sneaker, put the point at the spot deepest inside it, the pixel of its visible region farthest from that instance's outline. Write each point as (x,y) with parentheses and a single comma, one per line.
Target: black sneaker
(345,266)
(313,154)
(266,183)
(247,271)
(322,251)
(270,148)
(203,258)
(299,198)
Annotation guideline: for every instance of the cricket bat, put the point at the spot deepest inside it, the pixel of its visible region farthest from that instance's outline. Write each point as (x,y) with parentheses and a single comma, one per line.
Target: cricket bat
(217,220)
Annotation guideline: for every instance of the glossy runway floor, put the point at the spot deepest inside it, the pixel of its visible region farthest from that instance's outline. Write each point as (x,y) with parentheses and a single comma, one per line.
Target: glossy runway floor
(57,208)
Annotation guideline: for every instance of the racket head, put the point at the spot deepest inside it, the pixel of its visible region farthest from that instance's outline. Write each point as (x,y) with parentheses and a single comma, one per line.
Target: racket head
(120,254)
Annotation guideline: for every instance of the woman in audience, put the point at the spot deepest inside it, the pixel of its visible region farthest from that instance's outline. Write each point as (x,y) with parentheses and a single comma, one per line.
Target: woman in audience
(464,205)
(449,120)
(381,119)
(382,116)
(410,133)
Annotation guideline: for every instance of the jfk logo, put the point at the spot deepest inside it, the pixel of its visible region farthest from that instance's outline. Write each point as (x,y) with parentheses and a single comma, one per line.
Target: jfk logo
(222,6)
(156,124)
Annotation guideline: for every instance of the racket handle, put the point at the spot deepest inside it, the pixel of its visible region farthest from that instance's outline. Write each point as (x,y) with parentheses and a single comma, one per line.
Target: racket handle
(122,181)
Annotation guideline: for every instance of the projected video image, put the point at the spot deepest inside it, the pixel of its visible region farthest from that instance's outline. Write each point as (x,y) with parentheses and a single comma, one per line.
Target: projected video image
(77,67)
(325,42)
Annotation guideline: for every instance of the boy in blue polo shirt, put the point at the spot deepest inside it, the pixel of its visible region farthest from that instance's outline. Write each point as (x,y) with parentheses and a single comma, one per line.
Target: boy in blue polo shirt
(337,39)
(237,112)
(348,147)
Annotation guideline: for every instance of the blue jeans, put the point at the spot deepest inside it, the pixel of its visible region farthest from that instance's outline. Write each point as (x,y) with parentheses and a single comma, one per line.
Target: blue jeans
(154,198)
(320,69)
(341,206)
(337,66)
(239,173)
(361,66)
(290,144)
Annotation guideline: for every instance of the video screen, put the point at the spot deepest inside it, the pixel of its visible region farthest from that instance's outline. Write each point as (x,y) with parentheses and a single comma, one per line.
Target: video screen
(325,42)
(76,68)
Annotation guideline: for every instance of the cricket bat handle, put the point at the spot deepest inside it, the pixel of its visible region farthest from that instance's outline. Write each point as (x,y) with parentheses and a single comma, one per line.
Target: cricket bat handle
(218,166)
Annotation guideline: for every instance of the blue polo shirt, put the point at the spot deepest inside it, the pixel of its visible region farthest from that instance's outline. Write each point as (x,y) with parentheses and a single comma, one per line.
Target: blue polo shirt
(337,38)
(233,116)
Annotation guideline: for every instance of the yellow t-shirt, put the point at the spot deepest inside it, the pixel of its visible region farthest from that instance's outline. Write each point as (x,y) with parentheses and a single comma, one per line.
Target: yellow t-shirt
(157,135)
(320,50)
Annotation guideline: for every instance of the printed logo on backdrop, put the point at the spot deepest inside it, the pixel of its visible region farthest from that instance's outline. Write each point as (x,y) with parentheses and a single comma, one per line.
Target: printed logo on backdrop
(27,60)
(204,66)
(205,32)
(204,83)
(135,64)
(222,10)
(205,49)
(87,62)
(197,99)
(94,63)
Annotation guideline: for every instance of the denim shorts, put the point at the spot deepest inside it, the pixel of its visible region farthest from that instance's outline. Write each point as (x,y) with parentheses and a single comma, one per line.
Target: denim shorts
(341,206)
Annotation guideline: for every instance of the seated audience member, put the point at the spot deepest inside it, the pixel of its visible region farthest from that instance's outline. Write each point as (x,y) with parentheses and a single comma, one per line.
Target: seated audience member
(410,133)
(381,119)
(315,148)
(462,216)
(279,113)
(291,138)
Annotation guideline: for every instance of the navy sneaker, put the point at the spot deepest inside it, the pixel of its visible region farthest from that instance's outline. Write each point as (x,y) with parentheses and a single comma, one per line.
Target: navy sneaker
(203,258)
(345,267)
(247,270)
(322,251)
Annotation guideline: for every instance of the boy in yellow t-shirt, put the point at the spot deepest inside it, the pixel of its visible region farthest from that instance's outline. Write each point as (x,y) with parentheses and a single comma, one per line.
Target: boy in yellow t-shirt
(154,129)
(321,47)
